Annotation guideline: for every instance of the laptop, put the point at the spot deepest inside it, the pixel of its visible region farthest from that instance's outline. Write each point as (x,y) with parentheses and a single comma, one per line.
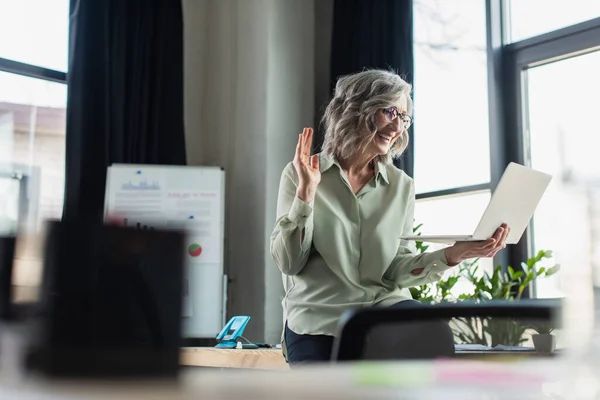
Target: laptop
(514,201)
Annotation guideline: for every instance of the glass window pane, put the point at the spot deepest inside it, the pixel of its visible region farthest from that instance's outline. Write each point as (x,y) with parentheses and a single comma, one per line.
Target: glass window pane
(564,141)
(524,20)
(32,134)
(451,103)
(453,215)
(35,32)
(9,204)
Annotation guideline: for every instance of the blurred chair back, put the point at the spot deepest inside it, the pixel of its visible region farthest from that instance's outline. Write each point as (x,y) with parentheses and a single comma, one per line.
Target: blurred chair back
(434,331)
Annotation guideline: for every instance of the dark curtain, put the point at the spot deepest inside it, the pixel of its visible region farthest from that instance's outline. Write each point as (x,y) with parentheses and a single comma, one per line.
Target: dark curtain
(374,34)
(125,102)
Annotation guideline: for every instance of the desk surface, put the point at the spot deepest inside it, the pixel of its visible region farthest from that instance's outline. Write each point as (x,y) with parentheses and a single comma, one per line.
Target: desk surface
(272,359)
(451,379)
(269,359)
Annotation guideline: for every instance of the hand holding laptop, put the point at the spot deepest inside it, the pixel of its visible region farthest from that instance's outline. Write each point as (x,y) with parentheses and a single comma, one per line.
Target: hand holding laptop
(462,251)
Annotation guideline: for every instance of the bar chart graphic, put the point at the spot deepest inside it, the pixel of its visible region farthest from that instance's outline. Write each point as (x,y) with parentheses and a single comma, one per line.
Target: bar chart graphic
(137,225)
(141,185)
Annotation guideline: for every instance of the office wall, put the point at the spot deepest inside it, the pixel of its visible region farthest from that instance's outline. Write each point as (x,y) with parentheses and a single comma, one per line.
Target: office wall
(249,90)
(290,104)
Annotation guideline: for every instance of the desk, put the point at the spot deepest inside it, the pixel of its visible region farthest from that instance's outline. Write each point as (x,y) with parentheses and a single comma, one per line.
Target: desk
(464,380)
(272,359)
(269,359)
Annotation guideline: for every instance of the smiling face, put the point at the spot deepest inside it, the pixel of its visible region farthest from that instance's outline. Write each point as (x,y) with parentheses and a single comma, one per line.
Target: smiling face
(358,121)
(389,126)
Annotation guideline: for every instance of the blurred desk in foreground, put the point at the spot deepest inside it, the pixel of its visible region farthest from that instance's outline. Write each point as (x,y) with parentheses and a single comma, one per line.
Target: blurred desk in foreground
(269,359)
(448,380)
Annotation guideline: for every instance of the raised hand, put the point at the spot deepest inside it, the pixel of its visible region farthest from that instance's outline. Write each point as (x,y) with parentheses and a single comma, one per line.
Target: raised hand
(307,167)
(461,251)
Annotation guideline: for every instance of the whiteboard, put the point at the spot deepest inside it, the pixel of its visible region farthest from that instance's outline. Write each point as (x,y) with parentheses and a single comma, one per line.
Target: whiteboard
(179,197)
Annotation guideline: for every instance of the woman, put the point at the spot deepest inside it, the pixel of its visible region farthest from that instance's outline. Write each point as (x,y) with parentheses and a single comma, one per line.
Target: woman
(340,215)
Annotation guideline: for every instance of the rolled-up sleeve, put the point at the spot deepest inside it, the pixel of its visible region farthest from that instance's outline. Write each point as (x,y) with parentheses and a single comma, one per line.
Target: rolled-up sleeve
(289,247)
(410,269)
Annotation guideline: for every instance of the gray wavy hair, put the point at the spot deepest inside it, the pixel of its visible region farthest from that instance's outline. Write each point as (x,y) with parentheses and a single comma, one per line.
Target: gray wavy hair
(349,118)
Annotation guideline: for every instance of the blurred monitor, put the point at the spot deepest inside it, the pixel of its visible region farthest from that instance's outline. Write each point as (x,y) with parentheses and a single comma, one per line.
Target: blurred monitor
(110,301)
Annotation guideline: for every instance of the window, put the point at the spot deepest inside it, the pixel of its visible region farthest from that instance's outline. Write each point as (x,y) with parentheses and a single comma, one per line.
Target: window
(9,203)
(453,215)
(33,99)
(32,134)
(35,32)
(451,136)
(546,104)
(564,140)
(450,95)
(528,18)
(551,109)
(541,111)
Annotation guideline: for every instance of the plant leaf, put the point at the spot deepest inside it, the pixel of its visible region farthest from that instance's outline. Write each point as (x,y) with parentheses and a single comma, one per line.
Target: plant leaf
(518,275)
(552,270)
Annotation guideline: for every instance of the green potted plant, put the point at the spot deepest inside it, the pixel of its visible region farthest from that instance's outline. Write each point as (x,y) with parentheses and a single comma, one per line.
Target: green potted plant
(438,292)
(501,283)
(543,341)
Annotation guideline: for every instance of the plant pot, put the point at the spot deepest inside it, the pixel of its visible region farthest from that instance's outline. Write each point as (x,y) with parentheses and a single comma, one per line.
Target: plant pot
(544,343)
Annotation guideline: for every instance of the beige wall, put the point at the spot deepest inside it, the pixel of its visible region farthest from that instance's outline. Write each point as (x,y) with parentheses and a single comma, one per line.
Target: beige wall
(249,90)
(290,107)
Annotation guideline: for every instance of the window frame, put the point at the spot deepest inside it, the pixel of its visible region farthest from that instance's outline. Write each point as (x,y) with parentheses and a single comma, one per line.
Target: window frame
(507,135)
(32,71)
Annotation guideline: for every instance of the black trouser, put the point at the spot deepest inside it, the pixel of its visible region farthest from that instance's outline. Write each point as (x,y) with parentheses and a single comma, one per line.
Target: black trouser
(307,348)
(317,348)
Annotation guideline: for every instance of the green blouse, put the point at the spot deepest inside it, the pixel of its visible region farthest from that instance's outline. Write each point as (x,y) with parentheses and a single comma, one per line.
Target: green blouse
(351,255)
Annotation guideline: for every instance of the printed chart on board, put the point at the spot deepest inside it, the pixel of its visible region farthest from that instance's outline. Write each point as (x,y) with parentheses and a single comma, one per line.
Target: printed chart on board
(188,198)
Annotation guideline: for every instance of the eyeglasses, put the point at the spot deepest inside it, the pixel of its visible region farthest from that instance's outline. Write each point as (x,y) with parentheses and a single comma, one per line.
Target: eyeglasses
(391,113)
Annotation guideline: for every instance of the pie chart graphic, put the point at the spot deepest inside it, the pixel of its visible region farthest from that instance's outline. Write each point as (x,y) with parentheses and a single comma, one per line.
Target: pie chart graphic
(195,250)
